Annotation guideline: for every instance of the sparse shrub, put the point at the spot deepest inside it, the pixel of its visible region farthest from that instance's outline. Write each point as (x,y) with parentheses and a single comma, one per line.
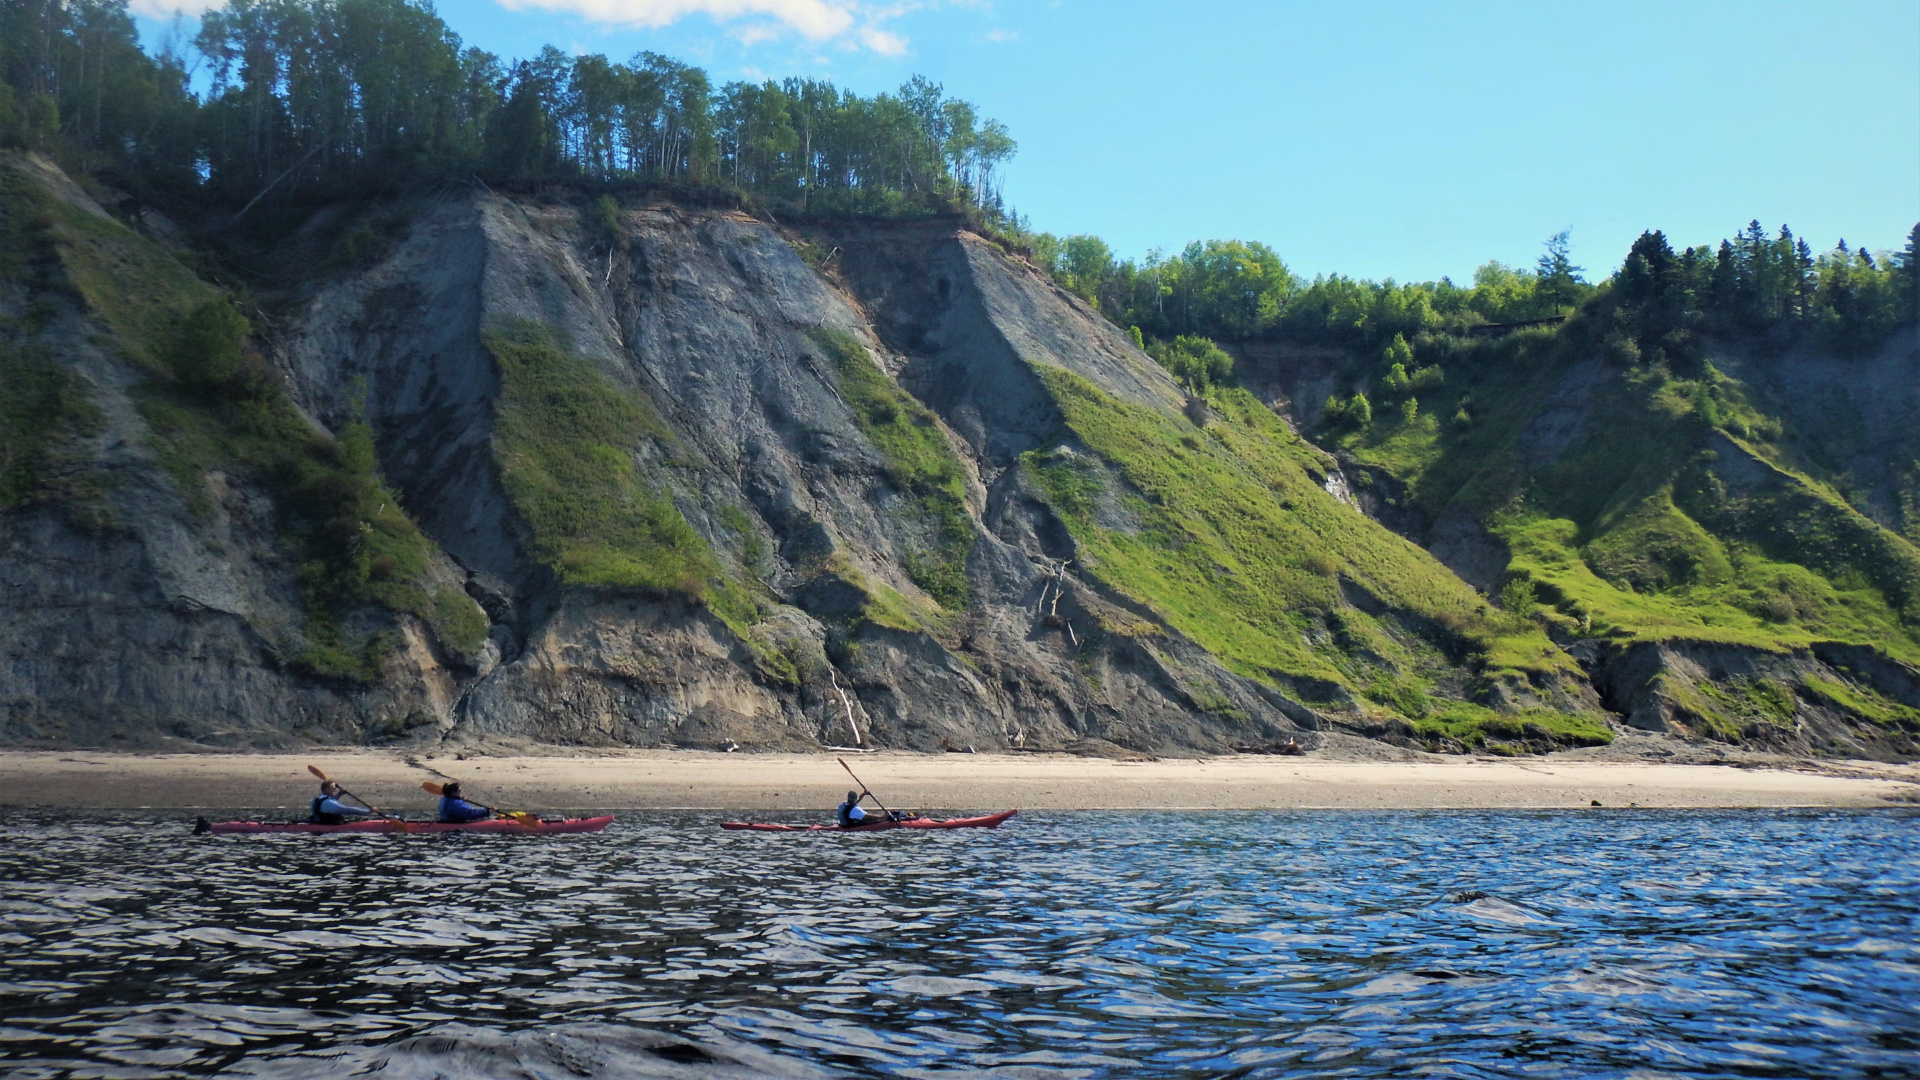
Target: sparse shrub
(1355,413)
(1518,597)
(1195,361)
(205,351)
(603,221)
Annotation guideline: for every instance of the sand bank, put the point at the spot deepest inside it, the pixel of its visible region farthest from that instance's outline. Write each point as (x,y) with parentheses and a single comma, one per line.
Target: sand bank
(808,782)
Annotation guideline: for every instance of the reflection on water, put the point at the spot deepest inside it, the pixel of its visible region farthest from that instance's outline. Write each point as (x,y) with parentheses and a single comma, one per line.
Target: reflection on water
(1468,944)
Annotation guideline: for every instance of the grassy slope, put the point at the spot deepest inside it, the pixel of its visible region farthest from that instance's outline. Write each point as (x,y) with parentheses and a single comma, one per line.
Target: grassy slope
(44,408)
(1632,532)
(919,461)
(565,438)
(354,543)
(1241,549)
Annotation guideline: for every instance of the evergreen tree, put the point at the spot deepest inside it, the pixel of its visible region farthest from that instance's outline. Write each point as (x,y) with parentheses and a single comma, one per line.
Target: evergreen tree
(1557,276)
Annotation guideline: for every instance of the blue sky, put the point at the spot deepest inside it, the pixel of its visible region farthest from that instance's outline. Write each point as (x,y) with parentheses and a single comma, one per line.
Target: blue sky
(1404,140)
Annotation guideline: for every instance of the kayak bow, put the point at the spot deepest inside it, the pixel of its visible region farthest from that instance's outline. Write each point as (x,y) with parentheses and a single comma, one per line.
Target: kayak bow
(391,826)
(987,821)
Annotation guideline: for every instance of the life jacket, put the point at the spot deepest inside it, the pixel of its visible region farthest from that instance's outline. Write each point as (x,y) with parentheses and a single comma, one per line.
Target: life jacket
(459,811)
(847,820)
(316,817)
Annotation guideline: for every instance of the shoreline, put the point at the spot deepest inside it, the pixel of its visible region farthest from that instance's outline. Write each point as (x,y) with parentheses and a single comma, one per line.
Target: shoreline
(813,783)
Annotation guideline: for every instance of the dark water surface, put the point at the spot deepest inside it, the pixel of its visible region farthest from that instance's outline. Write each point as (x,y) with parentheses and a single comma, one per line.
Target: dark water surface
(1463,944)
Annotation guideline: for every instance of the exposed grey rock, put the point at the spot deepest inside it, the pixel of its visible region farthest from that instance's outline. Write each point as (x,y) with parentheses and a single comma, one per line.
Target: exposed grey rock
(707,315)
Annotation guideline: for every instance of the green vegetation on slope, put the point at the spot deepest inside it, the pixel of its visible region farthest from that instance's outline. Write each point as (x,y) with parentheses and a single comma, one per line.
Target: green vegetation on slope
(1480,728)
(1227,535)
(210,405)
(565,438)
(355,544)
(42,410)
(919,461)
(1643,504)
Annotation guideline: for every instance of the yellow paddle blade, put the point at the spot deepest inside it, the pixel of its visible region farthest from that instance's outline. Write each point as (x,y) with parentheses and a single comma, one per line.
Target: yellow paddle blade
(430,787)
(315,770)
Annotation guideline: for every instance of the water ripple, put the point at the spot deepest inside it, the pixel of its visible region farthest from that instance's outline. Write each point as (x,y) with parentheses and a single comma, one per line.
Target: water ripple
(1247,945)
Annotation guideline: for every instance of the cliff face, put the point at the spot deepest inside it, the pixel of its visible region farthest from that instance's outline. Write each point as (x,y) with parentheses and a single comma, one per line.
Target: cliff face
(134,609)
(675,476)
(719,326)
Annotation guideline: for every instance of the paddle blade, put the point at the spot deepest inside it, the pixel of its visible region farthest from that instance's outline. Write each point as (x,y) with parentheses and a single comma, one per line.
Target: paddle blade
(315,770)
(430,787)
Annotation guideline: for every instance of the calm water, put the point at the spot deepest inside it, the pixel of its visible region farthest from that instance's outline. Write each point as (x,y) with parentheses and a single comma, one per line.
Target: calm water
(1609,943)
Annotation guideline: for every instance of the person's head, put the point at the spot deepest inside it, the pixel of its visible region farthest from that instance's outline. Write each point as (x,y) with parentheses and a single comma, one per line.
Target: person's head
(329,788)
(853,796)
(451,791)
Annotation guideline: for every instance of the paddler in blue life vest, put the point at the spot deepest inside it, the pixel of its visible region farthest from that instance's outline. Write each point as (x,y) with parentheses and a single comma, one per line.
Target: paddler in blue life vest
(329,810)
(455,810)
(850,813)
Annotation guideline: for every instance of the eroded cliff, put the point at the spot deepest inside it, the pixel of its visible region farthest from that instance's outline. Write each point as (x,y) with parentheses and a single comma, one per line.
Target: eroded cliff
(660,474)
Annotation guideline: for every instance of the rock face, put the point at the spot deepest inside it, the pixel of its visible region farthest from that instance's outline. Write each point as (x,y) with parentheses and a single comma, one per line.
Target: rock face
(715,320)
(852,439)
(129,615)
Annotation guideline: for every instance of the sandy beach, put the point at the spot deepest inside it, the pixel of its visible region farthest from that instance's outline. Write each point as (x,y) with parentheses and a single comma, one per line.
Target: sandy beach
(794,783)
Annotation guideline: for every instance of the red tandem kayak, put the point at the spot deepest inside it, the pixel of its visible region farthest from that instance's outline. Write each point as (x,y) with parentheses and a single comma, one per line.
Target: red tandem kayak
(384,825)
(989,821)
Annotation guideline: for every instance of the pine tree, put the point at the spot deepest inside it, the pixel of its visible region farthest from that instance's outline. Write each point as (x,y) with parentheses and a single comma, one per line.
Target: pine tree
(1557,277)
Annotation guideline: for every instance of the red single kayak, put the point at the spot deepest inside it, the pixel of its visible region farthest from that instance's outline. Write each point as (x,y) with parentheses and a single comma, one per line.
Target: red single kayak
(989,821)
(390,826)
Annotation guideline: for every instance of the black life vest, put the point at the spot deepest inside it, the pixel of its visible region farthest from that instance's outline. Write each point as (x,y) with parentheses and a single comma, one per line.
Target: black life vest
(316,817)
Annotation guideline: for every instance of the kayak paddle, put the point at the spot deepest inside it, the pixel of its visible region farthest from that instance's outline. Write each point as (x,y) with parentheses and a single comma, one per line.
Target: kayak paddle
(521,816)
(325,779)
(863,787)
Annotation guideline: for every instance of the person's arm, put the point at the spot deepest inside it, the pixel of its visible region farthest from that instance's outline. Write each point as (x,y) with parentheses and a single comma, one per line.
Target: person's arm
(335,806)
(466,811)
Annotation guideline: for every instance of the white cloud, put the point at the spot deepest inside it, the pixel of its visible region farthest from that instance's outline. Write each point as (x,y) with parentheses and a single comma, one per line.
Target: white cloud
(883,42)
(852,22)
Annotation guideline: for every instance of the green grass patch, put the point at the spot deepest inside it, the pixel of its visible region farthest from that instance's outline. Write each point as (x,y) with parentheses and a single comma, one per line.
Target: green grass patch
(567,439)
(43,410)
(1406,448)
(458,620)
(1239,547)
(1761,702)
(919,461)
(1481,728)
(1863,703)
(135,287)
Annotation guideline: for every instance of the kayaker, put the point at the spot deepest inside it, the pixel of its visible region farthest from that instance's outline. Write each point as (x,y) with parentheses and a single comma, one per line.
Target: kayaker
(327,809)
(455,810)
(850,813)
